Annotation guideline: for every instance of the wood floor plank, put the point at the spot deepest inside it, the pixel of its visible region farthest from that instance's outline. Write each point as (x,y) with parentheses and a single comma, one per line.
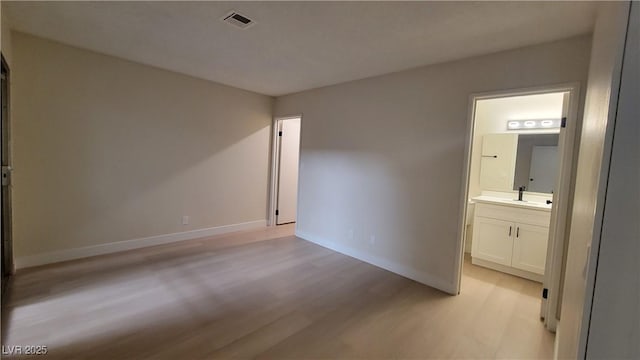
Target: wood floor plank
(265,294)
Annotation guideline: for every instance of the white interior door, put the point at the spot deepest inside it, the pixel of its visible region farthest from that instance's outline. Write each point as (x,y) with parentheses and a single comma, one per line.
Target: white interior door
(289,155)
(550,305)
(544,167)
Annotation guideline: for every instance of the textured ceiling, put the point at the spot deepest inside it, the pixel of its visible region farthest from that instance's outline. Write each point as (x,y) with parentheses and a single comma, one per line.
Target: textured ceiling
(296,46)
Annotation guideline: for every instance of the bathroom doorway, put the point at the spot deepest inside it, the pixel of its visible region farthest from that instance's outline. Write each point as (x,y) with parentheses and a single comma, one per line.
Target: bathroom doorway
(517,188)
(286,158)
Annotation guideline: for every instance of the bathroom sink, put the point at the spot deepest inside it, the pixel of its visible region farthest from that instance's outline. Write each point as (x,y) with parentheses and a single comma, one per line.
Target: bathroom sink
(513,202)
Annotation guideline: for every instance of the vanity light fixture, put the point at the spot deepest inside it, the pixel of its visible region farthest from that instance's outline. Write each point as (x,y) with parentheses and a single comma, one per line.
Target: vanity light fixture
(546,123)
(533,124)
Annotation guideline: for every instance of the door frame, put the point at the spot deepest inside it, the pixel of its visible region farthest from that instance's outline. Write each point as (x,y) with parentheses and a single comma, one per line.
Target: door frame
(555,249)
(8,256)
(275,166)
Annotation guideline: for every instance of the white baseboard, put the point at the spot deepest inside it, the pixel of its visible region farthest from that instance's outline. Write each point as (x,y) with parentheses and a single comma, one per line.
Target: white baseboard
(507,269)
(108,248)
(408,272)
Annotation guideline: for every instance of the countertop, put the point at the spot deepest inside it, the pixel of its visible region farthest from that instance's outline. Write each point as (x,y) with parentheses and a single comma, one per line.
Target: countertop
(512,202)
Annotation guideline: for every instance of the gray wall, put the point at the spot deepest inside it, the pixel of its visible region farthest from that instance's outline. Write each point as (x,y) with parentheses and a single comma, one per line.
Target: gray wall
(107,150)
(5,41)
(382,158)
(615,318)
(592,168)
(591,175)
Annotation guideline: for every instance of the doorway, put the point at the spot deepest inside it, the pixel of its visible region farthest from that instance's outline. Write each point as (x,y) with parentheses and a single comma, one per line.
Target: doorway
(516,193)
(7,249)
(286,158)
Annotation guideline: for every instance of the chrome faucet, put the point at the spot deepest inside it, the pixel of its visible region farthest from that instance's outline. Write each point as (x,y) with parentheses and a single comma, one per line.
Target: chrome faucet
(520,191)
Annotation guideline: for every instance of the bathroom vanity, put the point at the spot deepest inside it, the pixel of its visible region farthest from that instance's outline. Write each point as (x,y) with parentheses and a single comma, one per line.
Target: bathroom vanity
(511,236)
(509,231)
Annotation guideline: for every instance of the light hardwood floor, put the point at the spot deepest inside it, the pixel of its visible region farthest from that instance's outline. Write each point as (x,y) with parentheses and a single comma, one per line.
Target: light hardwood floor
(265,294)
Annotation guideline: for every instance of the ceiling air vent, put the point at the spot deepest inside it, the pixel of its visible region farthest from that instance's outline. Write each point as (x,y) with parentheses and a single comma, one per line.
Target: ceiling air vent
(236,19)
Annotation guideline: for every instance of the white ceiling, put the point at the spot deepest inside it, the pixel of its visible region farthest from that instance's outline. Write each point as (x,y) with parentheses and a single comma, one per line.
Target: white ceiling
(296,46)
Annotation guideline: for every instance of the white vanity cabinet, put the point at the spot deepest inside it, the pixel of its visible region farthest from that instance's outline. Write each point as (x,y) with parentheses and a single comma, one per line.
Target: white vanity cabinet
(511,239)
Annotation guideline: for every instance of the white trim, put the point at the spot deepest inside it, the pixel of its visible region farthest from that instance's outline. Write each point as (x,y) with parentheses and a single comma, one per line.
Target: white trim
(507,269)
(536,90)
(464,195)
(573,88)
(397,268)
(560,212)
(113,247)
(273,181)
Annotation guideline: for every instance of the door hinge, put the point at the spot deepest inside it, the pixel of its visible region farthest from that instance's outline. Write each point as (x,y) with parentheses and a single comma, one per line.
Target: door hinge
(563,122)
(6,175)
(279,133)
(277,212)
(545,293)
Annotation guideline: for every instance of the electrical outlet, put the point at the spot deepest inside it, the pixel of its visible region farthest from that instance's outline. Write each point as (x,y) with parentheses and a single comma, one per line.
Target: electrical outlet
(372,240)
(185,220)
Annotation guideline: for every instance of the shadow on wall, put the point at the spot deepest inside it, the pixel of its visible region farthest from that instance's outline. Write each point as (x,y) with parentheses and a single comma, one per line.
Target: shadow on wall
(381,202)
(220,170)
(108,150)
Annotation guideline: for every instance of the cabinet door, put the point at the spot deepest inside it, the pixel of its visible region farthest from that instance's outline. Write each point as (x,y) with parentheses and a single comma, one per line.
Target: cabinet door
(530,248)
(493,240)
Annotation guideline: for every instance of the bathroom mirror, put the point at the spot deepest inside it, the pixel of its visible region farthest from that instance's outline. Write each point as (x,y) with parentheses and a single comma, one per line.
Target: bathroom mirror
(536,164)
(510,160)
